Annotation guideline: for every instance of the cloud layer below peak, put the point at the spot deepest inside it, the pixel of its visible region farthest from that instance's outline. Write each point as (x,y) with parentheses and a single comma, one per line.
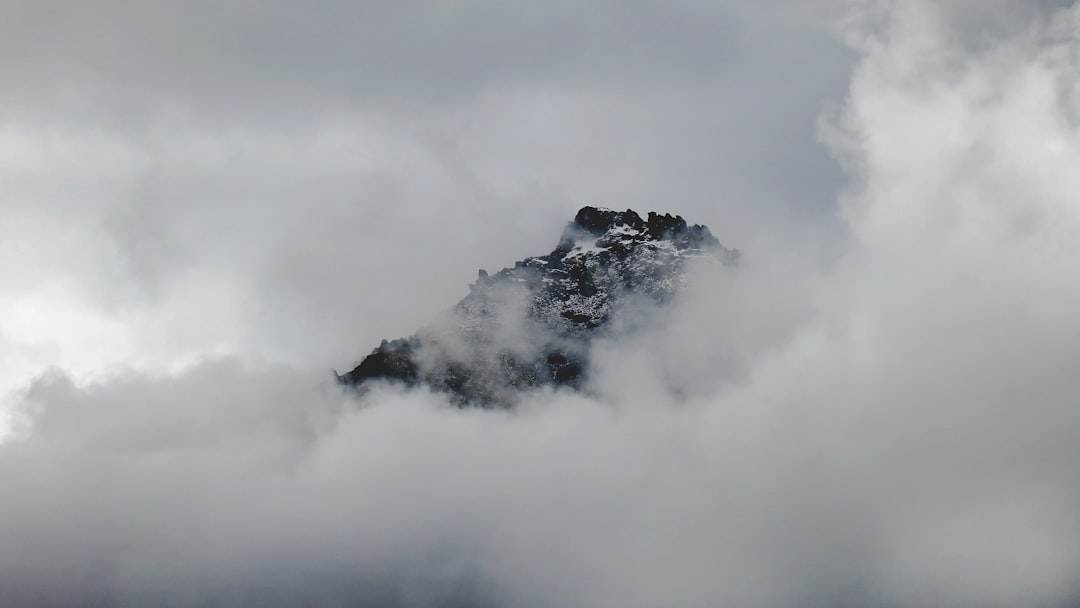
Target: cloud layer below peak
(878,410)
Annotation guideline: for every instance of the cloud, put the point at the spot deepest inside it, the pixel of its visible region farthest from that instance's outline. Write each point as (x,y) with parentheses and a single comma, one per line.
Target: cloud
(891,424)
(277,182)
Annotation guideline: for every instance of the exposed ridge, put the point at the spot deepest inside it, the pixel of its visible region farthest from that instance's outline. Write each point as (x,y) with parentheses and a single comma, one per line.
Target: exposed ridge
(599,221)
(531,324)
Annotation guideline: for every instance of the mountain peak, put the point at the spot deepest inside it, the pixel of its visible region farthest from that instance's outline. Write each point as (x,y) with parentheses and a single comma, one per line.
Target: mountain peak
(629,226)
(531,324)
(598,220)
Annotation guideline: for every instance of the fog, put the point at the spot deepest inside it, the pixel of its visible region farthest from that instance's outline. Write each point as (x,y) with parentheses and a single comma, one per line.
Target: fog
(876,407)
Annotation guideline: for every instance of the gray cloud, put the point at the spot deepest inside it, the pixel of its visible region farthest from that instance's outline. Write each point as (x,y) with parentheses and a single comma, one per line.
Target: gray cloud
(212,207)
(211,164)
(428,54)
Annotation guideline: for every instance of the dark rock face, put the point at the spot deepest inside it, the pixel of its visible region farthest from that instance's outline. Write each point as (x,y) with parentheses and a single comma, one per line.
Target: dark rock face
(531,325)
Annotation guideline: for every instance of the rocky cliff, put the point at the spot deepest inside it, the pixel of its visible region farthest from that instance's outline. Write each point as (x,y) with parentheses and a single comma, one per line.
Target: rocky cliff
(531,325)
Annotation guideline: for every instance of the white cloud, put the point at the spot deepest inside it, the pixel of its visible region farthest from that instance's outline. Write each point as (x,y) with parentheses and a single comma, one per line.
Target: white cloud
(890,422)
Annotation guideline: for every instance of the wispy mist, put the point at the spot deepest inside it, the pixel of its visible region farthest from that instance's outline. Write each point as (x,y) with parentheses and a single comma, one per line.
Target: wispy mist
(882,413)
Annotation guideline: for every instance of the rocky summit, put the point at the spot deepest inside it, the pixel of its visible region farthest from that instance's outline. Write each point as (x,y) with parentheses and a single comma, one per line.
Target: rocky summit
(531,325)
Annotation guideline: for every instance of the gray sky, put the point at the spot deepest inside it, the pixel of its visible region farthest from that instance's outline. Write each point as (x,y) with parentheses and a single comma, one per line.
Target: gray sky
(263,177)
(209,205)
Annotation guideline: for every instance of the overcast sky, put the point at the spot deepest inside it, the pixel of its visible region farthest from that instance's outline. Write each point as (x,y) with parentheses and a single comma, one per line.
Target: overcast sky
(188,178)
(207,206)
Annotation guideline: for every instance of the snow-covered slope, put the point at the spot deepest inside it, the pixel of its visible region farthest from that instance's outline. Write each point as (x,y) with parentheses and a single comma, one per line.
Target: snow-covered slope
(531,324)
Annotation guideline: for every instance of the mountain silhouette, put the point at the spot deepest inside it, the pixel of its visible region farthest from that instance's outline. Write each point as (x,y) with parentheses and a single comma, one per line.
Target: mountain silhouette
(531,325)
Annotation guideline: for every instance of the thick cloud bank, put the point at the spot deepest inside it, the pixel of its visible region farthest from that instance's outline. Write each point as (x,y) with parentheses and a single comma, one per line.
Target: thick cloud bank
(900,429)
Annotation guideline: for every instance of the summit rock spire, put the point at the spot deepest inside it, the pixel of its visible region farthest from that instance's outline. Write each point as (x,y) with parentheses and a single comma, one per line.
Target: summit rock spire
(531,324)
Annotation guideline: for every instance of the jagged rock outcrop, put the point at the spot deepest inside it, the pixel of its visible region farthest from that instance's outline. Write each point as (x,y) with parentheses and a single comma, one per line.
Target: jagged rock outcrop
(531,325)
